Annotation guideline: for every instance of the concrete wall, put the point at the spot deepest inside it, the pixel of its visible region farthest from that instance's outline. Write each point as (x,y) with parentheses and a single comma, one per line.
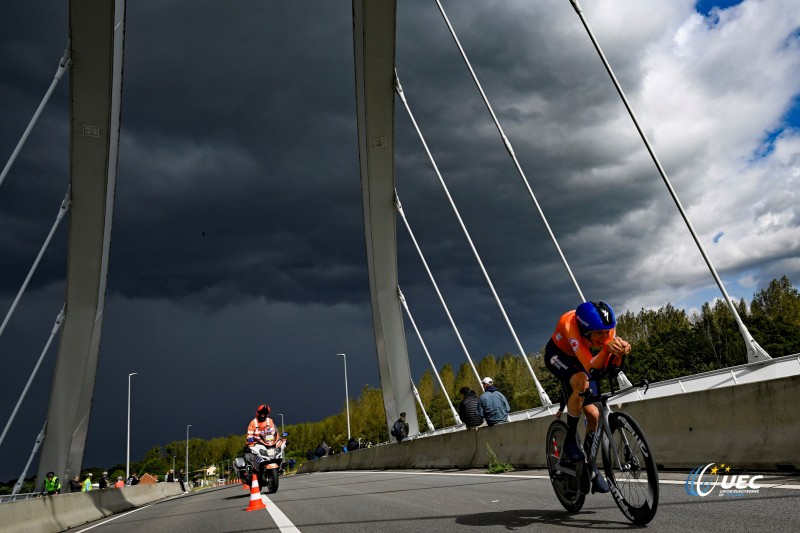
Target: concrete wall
(747,426)
(57,513)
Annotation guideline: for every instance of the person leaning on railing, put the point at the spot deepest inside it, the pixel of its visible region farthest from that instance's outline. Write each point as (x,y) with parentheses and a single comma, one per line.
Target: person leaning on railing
(52,485)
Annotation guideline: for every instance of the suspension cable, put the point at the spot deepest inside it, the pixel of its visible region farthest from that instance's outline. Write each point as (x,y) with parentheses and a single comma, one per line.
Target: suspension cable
(62,67)
(65,205)
(399,90)
(24,474)
(424,412)
(399,208)
(510,150)
(424,347)
(56,327)
(754,351)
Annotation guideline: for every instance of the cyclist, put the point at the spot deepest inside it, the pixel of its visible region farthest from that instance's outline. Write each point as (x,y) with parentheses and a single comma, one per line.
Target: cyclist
(569,356)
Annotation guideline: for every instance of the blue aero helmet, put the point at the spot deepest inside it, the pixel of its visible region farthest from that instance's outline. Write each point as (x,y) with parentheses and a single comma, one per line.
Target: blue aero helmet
(595,316)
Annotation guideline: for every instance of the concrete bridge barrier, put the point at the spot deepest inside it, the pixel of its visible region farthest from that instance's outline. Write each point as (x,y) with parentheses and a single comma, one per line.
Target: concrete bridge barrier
(749,426)
(64,511)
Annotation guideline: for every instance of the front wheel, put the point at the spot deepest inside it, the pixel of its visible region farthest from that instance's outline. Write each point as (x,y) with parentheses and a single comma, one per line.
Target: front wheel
(631,469)
(272,480)
(566,487)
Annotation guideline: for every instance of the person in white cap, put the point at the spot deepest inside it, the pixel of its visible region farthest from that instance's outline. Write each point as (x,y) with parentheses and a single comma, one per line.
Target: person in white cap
(493,406)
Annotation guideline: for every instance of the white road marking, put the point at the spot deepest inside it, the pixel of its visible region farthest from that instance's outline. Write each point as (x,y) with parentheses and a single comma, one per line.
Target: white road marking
(126,514)
(533,476)
(283,523)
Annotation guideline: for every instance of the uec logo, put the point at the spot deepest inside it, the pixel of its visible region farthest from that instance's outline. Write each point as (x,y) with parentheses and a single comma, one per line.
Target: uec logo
(729,485)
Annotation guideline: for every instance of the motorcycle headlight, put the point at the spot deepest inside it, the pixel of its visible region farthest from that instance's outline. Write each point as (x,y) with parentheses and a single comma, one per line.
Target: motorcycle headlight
(271,453)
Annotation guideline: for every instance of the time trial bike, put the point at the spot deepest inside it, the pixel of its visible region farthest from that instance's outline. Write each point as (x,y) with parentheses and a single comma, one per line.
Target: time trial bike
(627,459)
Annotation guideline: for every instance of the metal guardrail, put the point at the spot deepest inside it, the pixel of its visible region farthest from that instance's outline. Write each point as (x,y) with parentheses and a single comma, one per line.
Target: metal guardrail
(24,496)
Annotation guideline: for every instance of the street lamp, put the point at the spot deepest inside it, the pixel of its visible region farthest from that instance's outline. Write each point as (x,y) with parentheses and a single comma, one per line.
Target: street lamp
(346,394)
(281,415)
(186,472)
(128,455)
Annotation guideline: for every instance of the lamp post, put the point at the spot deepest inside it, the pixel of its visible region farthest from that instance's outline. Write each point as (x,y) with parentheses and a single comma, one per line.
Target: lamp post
(128,454)
(174,473)
(186,472)
(281,415)
(346,394)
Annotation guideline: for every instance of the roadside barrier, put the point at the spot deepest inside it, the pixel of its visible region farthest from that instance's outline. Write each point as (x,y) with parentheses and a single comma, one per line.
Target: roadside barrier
(733,424)
(64,511)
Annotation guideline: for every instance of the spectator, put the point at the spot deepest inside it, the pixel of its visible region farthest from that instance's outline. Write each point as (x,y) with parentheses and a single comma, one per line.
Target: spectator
(52,485)
(493,406)
(400,428)
(87,483)
(320,451)
(74,484)
(352,444)
(468,408)
(291,463)
(120,483)
(181,480)
(103,483)
(132,480)
(170,477)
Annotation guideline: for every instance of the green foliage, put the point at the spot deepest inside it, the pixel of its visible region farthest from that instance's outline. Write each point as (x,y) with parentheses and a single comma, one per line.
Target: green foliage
(367,422)
(495,466)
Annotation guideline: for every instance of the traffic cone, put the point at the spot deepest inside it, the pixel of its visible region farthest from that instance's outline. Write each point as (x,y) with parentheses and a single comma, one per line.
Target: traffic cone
(256,502)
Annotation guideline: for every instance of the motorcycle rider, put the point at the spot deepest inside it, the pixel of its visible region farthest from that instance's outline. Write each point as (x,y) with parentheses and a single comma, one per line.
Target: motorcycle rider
(259,427)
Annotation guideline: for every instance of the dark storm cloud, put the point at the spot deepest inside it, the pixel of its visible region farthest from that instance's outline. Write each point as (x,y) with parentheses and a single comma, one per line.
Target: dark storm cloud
(243,147)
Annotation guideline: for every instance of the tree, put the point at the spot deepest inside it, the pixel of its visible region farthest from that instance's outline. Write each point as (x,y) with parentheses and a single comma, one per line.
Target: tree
(774,318)
(779,302)
(487,367)
(466,378)
(717,338)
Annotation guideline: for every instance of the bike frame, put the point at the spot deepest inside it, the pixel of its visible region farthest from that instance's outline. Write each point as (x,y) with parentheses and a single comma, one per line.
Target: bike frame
(603,424)
(603,430)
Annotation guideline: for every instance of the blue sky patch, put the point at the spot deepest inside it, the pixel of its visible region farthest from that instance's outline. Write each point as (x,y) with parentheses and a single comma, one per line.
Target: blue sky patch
(704,7)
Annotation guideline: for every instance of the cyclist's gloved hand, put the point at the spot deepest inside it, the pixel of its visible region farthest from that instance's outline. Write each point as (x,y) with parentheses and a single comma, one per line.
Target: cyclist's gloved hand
(618,346)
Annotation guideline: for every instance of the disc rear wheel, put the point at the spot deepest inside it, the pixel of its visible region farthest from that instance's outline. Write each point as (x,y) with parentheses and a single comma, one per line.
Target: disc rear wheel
(565,486)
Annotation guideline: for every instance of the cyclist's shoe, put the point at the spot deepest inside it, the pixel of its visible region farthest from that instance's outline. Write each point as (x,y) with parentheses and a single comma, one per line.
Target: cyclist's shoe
(572,451)
(599,483)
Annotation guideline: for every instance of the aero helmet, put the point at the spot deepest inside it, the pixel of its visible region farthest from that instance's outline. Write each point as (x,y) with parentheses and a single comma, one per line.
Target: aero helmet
(263,409)
(595,316)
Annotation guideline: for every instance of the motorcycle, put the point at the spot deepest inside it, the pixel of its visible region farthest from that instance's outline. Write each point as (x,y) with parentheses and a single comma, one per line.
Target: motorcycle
(263,461)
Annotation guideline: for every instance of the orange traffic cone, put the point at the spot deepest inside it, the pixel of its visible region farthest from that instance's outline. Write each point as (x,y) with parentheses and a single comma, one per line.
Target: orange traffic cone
(256,502)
